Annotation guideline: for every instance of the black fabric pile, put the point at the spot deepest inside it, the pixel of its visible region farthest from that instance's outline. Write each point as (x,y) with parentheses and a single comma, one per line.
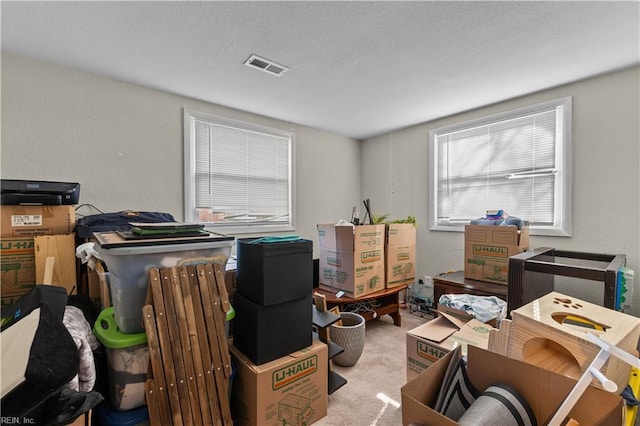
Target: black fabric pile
(43,397)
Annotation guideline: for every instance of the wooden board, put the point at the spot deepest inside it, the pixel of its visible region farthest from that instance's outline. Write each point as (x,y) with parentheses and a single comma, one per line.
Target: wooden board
(189,337)
(165,346)
(210,306)
(182,379)
(205,353)
(159,386)
(192,353)
(63,249)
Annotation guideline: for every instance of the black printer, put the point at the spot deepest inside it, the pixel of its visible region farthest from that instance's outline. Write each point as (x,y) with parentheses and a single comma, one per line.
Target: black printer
(37,192)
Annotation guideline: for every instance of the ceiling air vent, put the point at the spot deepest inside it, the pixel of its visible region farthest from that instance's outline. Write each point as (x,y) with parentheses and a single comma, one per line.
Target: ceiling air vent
(266,65)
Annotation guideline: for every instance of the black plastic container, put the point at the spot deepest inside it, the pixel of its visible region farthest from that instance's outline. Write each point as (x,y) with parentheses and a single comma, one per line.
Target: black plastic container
(274,272)
(265,333)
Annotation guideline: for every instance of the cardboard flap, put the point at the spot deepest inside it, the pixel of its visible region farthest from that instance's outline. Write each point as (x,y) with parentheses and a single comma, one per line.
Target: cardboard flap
(437,329)
(457,322)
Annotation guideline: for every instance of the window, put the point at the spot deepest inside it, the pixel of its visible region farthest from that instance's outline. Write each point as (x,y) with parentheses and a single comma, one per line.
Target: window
(237,175)
(518,161)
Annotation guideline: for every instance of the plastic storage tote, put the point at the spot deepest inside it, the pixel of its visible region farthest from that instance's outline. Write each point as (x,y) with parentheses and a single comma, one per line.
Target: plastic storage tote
(129,266)
(127,360)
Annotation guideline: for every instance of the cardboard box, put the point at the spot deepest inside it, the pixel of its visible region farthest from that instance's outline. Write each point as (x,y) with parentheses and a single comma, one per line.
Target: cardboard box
(432,340)
(543,390)
(98,283)
(351,238)
(277,272)
(17,262)
(22,261)
(356,273)
(400,265)
(20,221)
(487,250)
(291,390)
(351,258)
(400,254)
(401,234)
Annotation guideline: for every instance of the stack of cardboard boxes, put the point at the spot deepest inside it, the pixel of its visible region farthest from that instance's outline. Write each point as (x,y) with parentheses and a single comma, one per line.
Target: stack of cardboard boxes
(29,235)
(487,252)
(364,259)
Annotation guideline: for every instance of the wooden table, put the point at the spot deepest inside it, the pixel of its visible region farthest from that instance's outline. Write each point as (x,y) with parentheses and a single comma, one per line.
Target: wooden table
(386,303)
(456,283)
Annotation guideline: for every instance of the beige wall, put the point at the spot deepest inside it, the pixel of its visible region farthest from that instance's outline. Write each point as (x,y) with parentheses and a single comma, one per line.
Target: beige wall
(123,143)
(606,181)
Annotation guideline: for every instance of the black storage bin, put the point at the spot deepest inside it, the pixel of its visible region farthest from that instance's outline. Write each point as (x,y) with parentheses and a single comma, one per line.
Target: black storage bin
(265,333)
(274,272)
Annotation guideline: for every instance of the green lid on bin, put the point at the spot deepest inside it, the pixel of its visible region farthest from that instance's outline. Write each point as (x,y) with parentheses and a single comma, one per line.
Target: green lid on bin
(107,331)
(231,313)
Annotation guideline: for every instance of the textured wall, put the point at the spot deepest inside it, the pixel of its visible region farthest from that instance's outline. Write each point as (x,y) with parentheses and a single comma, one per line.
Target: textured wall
(606,180)
(123,143)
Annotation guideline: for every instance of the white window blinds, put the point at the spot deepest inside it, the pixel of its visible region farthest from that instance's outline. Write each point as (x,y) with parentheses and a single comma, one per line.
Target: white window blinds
(242,175)
(513,162)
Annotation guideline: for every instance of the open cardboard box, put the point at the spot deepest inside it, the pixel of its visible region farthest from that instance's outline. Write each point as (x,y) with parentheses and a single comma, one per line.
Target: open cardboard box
(543,390)
(434,339)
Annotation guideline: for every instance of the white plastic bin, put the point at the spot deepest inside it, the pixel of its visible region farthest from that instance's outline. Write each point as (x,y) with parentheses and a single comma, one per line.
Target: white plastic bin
(129,266)
(128,360)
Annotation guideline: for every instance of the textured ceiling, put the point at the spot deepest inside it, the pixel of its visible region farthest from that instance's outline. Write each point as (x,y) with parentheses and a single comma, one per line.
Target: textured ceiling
(356,68)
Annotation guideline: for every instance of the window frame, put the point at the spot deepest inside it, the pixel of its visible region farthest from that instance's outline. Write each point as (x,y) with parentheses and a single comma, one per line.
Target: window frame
(189,116)
(562,226)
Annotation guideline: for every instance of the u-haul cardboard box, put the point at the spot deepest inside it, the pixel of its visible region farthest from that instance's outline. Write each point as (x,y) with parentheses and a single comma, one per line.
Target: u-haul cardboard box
(430,341)
(401,234)
(352,258)
(400,265)
(487,250)
(356,273)
(17,259)
(291,390)
(20,221)
(351,238)
(22,262)
(400,254)
(543,390)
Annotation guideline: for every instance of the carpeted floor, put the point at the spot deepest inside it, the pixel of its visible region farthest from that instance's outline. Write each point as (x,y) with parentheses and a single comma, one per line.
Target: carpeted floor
(371,396)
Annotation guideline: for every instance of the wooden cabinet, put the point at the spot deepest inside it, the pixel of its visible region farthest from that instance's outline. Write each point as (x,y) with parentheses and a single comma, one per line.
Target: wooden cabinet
(456,283)
(531,274)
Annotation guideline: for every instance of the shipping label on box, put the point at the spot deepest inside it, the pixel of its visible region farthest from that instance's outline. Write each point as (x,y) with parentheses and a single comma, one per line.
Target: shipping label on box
(291,390)
(401,234)
(351,238)
(355,273)
(19,221)
(17,264)
(431,341)
(400,265)
(488,248)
